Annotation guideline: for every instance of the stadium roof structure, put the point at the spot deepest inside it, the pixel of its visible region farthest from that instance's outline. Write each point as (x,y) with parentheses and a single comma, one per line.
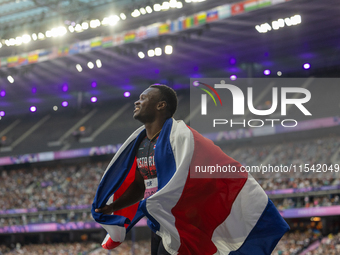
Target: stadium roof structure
(216,49)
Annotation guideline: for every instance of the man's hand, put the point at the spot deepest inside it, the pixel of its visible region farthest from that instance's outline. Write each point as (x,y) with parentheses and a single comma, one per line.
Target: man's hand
(107,209)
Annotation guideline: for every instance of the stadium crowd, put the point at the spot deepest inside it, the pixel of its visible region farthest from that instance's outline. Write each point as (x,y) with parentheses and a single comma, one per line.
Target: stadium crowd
(55,217)
(330,245)
(55,188)
(306,201)
(292,243)
(83,248)
(75,185)
(67,186)
(310,242)
(74,216)
(42,249)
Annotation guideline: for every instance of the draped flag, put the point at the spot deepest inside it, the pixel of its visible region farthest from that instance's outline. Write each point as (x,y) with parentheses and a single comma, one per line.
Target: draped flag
(220,216)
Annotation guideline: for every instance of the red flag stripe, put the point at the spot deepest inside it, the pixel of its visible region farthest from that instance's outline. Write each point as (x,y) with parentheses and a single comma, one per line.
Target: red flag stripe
(205,203)
(128,212)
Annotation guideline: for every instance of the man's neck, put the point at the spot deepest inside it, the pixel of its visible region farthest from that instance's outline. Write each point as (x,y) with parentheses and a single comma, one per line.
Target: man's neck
(153,128)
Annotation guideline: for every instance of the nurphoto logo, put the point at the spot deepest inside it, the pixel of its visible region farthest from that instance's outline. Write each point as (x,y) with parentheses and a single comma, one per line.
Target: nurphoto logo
(238,106)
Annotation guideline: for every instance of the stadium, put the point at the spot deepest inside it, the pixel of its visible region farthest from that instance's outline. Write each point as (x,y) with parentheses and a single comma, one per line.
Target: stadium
(72,71)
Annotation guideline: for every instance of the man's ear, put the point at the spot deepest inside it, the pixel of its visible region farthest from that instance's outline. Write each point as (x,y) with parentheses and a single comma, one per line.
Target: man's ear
(161,105)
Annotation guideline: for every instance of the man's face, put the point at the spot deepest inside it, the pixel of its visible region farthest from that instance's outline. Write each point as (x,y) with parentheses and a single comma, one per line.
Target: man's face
(146,107)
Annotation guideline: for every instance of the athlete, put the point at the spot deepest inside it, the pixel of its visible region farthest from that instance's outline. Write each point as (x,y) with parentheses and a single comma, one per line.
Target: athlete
(155,105)
(193,215)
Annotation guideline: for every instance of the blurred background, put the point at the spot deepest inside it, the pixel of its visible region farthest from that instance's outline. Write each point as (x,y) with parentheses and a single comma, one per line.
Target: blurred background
(71,70)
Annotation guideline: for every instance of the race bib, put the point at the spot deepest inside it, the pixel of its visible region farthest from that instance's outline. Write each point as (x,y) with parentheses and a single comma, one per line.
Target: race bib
(151,186)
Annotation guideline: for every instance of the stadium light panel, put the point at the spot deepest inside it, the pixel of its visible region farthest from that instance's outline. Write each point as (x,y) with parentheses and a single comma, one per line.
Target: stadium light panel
(281,22)
(122,16)
(142,11)
(111,20)
(288,22)
(158,51)
(168,49)
(98,63)
(267,26)
(90,65)
(298,19)
(141,55)
(85,25)
(157,7)
(79,68)
(12,41)
(105,21)
(148,9)
(10,78)
(275,25)
(48,33)
(264,28)
(179,5)
(61,30)
(94,23)
(54,32)
(135,13)
(173,3)
(115,19)
(41,36)
(295,19)
(151,53)
(34,37)
(18,40)
(71,29)
(261,29)
(58,31)
(78,28)
(165,6)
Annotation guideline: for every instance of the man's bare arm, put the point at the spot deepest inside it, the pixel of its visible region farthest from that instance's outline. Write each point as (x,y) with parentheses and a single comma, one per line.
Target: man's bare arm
(133,194)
